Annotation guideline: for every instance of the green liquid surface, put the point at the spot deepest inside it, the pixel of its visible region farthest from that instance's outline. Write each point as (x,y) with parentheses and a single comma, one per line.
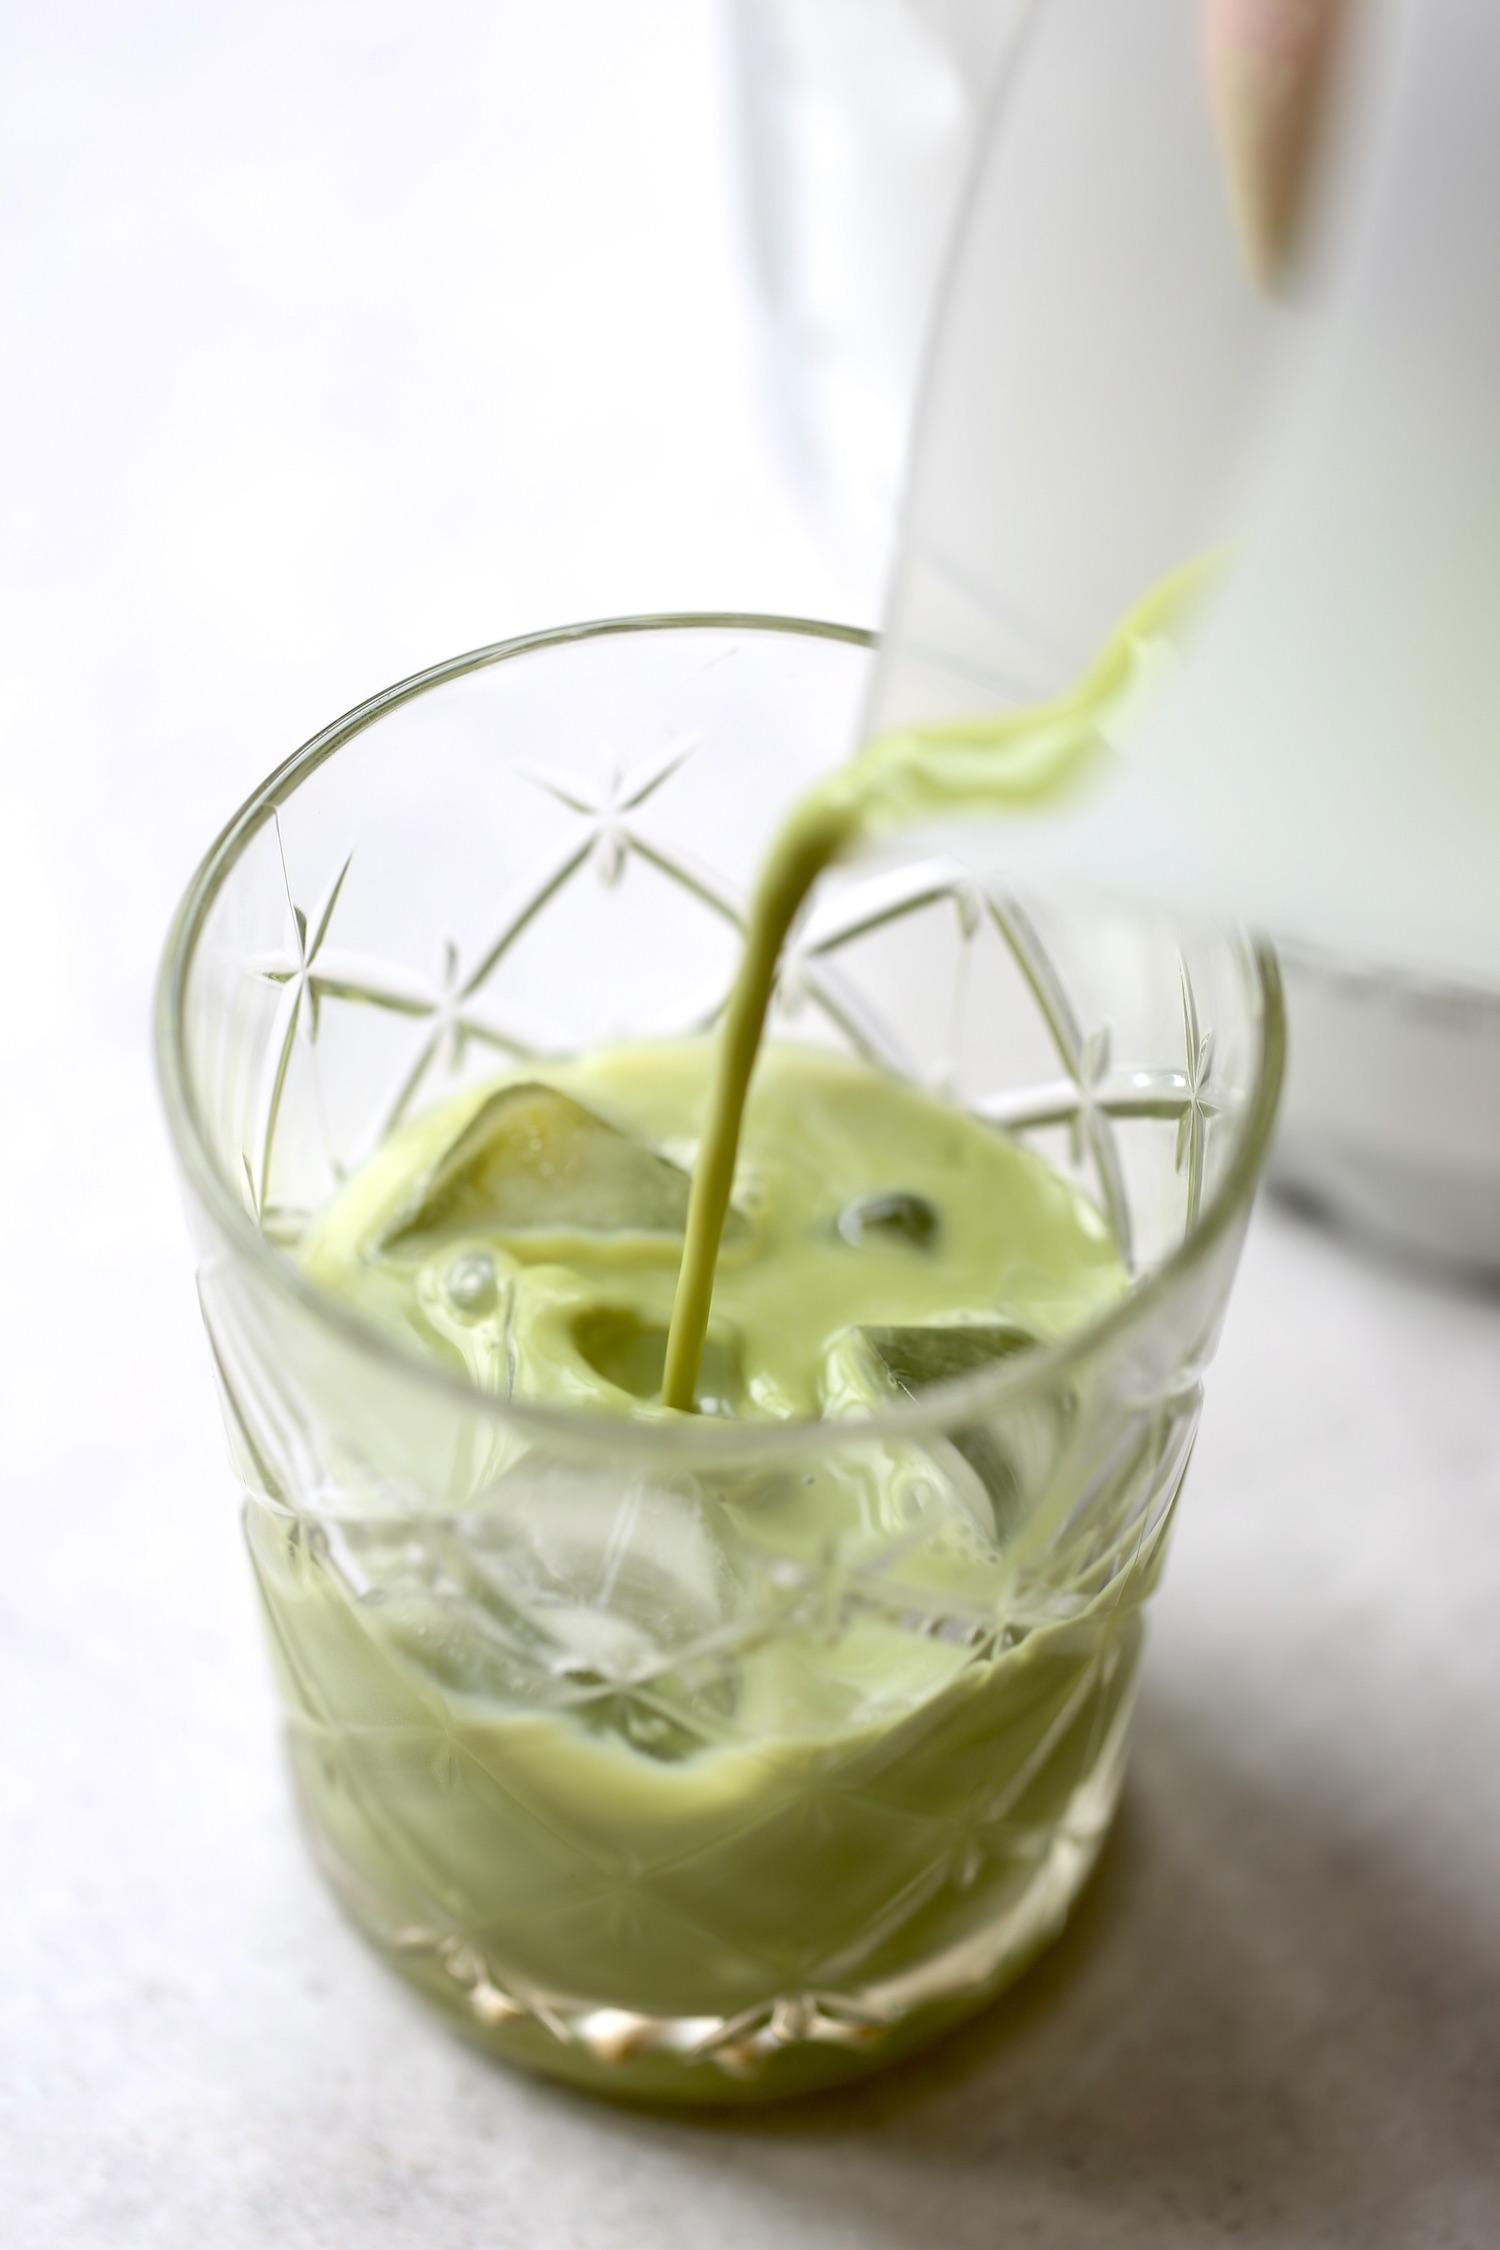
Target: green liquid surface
(859,1205)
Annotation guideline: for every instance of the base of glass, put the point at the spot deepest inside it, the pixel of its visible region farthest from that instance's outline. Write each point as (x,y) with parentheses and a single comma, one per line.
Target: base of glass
(788,2044)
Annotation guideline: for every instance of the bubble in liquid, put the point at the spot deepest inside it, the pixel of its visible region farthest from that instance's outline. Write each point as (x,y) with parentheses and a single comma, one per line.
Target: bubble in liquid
(469,1283)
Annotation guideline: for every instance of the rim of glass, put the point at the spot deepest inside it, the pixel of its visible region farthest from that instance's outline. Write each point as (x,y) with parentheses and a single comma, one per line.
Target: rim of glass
(965,1397)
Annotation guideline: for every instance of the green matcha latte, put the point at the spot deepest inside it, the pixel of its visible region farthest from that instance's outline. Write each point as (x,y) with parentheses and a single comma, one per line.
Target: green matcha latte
(725,1781)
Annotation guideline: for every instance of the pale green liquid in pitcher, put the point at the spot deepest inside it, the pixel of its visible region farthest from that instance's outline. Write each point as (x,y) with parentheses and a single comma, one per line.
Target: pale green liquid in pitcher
(736,1785)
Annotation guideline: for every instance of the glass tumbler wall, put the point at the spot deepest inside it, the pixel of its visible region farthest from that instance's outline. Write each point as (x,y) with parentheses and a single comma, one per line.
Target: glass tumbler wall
(636,1783)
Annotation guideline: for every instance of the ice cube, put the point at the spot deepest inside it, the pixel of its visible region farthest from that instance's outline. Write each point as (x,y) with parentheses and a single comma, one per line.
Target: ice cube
(1011,1453)
(914,1358)
(470,1284)
(566,1589)
(531,1160)
(627,1576)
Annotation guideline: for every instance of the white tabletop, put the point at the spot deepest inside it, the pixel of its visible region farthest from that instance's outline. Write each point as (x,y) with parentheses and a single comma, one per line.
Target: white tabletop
(339,340)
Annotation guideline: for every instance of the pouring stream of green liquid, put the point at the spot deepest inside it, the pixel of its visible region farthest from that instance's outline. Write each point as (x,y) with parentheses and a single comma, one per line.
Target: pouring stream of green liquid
(975,766)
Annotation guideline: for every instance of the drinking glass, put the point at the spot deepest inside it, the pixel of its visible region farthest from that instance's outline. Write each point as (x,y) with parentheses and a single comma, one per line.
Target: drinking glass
(640,1786)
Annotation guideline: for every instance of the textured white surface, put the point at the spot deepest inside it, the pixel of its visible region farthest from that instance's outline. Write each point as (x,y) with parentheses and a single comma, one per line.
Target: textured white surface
(336,345)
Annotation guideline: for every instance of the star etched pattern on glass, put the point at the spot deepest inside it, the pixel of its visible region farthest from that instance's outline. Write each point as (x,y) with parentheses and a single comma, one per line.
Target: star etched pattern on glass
(1088,1097)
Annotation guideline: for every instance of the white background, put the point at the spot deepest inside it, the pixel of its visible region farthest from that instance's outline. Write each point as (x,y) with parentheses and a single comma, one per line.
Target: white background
(335,339)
